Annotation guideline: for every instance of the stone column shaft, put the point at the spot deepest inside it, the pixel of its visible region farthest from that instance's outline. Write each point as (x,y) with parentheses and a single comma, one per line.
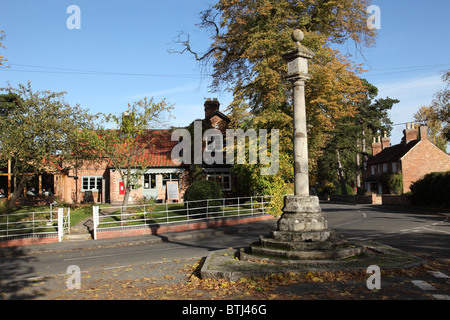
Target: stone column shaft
(301,179)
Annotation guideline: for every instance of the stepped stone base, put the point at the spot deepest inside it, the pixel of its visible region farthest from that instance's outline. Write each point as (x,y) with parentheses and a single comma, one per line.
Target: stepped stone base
(303,233)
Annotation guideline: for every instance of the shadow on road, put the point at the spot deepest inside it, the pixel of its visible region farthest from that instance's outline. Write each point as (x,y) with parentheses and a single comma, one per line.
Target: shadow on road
(16,272)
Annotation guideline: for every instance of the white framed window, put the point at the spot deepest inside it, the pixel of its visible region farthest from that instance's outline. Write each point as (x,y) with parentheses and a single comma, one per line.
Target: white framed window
(385,167)
(394,167)
(91,183)
(149,181)
(372,169)
(222,178)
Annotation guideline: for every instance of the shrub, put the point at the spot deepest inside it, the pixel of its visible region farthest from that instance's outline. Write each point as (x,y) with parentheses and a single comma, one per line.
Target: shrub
(396,183)
(202,190)
(432,190)
(326,188)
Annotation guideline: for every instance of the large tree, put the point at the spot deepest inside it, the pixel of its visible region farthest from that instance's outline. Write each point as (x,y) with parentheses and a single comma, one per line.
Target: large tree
(248,38)
(441,105)
(344,153)
(37,132)
(429,116)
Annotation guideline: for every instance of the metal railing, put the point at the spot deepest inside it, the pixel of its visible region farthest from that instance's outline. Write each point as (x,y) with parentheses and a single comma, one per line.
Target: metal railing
(34,224)
(134,216)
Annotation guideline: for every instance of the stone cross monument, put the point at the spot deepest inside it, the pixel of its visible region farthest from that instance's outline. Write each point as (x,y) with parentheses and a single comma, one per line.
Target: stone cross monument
(302,212)
(297,61)
(302,231)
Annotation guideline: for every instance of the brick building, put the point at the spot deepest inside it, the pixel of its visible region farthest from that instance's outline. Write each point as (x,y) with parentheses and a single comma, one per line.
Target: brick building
(414,157)
(100,183)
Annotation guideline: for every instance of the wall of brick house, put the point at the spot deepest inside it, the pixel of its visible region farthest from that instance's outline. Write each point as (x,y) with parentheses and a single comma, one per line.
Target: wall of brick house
(136,195)
(115,196)
(424,158)
(219,123)
(69,189)
(182,186)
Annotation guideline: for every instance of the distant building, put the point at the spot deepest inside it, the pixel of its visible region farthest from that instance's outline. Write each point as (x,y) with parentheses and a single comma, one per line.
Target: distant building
(414,157)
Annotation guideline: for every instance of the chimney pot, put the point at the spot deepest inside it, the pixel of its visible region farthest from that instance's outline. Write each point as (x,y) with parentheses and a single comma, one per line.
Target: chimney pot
(211,106)
(410,133)
(385,142)
(423,134)
(376,146)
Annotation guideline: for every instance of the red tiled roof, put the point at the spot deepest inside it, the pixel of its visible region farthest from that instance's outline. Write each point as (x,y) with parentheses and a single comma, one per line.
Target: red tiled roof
(393,153)
(158,150)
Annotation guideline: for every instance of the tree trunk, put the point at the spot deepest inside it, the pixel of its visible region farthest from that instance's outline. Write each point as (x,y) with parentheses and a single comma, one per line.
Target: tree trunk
(18,190)
(126,195)
(358,165)
(341,174)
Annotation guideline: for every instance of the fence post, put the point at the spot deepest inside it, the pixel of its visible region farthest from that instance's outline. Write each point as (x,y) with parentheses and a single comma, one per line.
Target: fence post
(32,225)
(223,208)
(96,220)
(68,220)
(145,220)
(60,224)
(207,208)
(262,204)
(251,201)
(238,206)
(187,210)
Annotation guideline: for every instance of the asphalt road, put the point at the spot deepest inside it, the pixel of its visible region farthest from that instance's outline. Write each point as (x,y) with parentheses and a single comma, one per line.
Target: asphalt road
(411,231)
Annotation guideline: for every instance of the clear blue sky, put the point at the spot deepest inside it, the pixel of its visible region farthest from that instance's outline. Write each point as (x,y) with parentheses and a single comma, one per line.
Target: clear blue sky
(133,37)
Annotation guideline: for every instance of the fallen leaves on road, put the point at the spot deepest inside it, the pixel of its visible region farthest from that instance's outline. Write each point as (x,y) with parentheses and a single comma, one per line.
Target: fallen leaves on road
(171,280)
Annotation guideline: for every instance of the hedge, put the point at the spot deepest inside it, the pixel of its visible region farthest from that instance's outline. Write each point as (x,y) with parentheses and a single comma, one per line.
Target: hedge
(202,190)
(432,190)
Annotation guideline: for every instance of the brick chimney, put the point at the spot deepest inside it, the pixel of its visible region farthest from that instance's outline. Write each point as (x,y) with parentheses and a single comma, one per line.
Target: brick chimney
(211,106)
(385,141)
(410,133)
(423,134)
(376,146)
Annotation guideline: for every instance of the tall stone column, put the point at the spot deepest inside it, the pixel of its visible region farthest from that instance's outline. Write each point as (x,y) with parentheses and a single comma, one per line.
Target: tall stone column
(302,231)
(301,212)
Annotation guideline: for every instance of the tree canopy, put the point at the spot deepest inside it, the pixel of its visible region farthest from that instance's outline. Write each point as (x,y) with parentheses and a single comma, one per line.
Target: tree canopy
(37,132)
(248,39)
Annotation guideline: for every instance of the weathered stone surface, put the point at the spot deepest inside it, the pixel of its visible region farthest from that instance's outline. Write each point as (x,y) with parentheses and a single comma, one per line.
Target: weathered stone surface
(301,204)
(302,222)
(304,236)
(222,264)
(301,245)
(336,253)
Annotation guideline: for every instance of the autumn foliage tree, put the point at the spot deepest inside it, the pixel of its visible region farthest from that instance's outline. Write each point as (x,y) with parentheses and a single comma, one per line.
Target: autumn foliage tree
(248,39)
(37,133)
(2,38)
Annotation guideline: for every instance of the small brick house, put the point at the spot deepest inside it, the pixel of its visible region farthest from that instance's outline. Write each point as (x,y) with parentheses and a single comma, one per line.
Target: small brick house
(414,157)
(100,183)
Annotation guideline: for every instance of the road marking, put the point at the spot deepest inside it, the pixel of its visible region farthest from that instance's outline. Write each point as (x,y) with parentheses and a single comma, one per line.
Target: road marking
(109,268)
(423,285)
(446,232)
(344,224)
(120,254)
(439,274)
